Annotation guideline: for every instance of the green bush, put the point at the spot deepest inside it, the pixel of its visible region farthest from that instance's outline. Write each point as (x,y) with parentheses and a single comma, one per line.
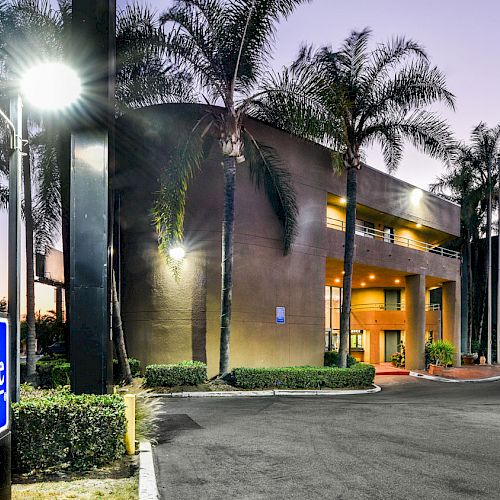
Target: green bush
(183,373)
(64,430)
(44,367)
(332,359)
(441,352)
(135,368)
(61,375)
(305,377)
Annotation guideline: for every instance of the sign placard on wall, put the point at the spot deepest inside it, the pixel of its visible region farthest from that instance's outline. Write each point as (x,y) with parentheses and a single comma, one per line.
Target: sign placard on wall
(280,315)
(4,375)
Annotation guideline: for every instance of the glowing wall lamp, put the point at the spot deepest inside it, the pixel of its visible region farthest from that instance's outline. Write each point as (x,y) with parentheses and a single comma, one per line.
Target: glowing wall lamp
(177,253)
(416,195)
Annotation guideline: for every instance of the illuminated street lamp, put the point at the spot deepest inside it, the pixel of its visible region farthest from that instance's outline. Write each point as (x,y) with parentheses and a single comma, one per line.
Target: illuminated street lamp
(47,86)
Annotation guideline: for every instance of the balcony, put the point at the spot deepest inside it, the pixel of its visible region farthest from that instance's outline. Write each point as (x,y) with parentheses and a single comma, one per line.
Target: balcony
(389,307)
(394,239)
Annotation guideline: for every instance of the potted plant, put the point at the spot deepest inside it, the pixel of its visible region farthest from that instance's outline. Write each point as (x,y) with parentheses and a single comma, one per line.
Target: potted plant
(468,358)
(441,355)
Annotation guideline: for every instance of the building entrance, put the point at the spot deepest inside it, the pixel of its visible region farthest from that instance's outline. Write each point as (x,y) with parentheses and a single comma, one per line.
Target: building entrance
(392,341)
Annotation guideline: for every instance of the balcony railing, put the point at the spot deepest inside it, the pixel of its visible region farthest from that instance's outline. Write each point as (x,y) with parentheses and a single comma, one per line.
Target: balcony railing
(382,306)
(369,232)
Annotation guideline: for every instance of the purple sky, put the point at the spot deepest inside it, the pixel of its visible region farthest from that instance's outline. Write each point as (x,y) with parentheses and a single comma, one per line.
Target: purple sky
(461,37)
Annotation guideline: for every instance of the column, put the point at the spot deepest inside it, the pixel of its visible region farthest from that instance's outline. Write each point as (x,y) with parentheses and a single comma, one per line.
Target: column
(415,322)
(451,317)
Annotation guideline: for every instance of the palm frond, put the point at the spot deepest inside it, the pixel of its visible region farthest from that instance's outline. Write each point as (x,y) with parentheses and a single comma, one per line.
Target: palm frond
(267,171)
(293,101)
(170,202)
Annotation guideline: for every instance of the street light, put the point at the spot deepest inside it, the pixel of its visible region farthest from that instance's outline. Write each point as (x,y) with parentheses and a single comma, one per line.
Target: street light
(48,86)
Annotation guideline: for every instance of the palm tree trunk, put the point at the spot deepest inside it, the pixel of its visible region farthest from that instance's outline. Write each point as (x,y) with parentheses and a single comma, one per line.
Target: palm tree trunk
(227,263)
(118,337)
(350,229)
(470,298)
(30,271)
(464,291)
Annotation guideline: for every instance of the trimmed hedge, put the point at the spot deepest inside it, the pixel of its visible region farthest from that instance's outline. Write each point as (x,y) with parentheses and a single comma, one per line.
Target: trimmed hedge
(61,375)
(44,368)
(305,377)
(332,359)
(135,368)
(183,373)
(64,430)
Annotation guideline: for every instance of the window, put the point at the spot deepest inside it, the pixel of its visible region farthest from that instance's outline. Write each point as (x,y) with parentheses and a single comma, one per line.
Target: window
(388,234)
(356,339)
(333,299)
(392,299)
(365,228)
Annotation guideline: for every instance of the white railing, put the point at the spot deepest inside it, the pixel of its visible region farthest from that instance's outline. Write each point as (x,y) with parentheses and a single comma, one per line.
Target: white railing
(382,306)
(369,232)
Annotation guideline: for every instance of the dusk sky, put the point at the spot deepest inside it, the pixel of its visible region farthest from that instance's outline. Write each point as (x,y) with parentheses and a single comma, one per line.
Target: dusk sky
(461,37)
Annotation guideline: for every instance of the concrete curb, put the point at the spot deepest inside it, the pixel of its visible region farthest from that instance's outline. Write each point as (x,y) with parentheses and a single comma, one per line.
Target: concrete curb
(443,379)
(148,490)
(276,392)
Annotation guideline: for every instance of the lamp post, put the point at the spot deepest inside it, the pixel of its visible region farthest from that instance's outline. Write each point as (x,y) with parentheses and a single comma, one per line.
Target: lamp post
(48,86)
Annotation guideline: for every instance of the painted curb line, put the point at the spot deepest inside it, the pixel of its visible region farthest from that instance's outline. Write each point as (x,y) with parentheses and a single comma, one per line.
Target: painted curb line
(276,392)
(148,490)
(457,381)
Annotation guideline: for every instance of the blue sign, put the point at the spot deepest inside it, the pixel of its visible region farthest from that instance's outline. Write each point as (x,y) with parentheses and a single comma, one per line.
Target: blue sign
(280,315)
(4,374)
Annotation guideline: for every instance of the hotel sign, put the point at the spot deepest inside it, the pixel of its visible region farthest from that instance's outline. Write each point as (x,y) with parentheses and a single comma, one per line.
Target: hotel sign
(280,315)
(4,375)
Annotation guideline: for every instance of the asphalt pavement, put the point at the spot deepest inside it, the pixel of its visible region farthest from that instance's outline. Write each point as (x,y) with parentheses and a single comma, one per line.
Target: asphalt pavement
(417,439)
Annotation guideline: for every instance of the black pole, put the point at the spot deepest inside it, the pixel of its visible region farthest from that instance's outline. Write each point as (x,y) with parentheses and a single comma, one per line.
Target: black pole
(93,53)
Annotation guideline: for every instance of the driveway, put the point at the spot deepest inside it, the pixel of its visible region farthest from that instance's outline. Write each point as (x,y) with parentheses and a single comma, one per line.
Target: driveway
(416,439)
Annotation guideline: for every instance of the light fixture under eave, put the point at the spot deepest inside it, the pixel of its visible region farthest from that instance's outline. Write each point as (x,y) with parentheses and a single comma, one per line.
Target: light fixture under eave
(51,86)
(372,276)
(337,280)
(397,281)
(177,253)
(416,196)
(343,201)
(419,225)
(363,284)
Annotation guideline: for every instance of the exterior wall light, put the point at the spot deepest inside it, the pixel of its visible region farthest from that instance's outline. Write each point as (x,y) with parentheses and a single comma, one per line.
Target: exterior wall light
(51,86)
(177,253)
(419,225)
(416,196)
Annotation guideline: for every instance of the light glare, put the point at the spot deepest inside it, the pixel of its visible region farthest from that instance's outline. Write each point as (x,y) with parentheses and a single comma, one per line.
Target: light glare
(416,196)
(51,86)
(177,253)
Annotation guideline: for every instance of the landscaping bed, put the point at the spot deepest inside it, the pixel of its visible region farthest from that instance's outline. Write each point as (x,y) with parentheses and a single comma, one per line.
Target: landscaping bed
(191,377)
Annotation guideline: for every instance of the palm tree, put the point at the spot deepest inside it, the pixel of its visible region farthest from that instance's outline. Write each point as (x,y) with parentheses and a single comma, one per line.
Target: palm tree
(471,182)
(466,183)
(225,46)
(367,97)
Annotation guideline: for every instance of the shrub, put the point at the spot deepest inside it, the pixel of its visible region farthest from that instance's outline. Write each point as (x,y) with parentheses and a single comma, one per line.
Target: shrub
(441,352)
(184,373)
(332,359)
(44,367)
(399,358)
(135,368)
(64,430)
(61,375)
(305,377)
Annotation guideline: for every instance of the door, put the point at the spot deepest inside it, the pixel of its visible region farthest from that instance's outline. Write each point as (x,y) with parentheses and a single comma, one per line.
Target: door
(392,299)
(392,341)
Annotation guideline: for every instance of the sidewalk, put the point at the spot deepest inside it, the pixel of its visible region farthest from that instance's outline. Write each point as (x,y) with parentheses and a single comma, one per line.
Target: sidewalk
(389,369)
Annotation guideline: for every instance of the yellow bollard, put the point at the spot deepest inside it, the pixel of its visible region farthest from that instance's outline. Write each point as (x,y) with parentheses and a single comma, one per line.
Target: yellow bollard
(130,430)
